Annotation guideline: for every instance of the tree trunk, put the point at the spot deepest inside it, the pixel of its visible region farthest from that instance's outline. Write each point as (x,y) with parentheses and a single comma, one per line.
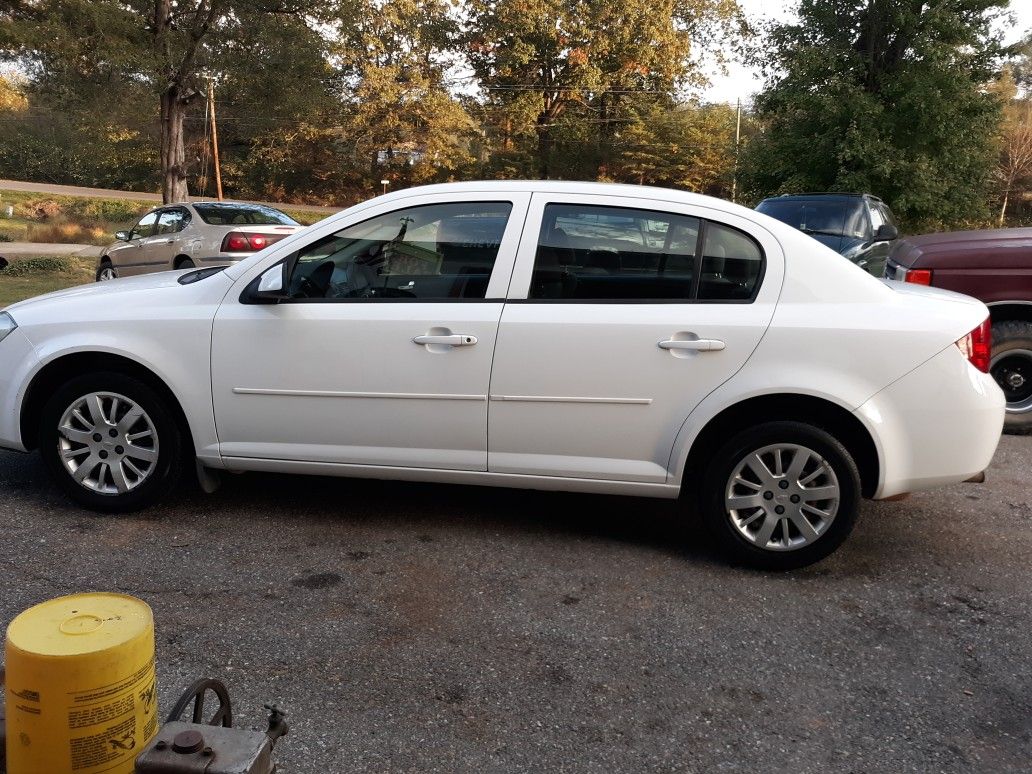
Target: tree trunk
(1003,209)
(544,136)
(173,148)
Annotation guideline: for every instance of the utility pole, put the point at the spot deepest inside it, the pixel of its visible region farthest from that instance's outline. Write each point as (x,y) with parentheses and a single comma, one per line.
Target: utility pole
(214,139)
(738,140)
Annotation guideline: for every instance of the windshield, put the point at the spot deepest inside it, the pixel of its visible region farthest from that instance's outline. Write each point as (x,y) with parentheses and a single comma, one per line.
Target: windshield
(812,217)
(243,214)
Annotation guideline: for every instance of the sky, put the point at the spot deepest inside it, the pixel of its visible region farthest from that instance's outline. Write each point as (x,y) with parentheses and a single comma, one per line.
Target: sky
(741,81)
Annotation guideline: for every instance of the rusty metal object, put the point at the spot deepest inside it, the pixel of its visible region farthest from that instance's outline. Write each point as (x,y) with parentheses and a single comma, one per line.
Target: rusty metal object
(196,694)
(213,750)
(210,745)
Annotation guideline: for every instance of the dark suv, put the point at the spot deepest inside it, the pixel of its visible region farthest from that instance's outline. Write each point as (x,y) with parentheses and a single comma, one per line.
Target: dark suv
(860,227)
(994,266)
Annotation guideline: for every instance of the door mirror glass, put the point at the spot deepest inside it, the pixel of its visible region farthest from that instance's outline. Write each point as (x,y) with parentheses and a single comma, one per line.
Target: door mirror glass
(886,233)
(122,236)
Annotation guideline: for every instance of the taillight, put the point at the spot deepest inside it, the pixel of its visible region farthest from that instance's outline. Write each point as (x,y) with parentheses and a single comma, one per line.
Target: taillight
(918,276)
(242,242)
(977,346)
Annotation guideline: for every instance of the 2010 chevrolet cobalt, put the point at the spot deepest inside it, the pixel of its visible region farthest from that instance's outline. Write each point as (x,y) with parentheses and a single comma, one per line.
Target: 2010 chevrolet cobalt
(573,336)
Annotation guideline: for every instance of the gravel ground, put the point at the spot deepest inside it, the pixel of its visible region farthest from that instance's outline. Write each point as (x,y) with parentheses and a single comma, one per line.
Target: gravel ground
(418,628)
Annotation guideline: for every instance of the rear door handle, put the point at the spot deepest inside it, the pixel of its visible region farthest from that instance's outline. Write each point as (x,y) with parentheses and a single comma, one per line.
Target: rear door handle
(693,345)
(454,340)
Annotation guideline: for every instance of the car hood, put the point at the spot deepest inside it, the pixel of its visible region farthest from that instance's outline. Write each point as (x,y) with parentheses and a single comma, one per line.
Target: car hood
(130,300)
(109,289)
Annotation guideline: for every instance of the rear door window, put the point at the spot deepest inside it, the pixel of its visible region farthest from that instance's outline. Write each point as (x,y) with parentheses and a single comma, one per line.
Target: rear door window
(591,252)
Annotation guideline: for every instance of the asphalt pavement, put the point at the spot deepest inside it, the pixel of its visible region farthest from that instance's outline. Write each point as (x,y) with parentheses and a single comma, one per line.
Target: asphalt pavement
(423,628)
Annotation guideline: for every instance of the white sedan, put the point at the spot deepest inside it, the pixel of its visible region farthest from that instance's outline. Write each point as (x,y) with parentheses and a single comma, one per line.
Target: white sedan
(567,336)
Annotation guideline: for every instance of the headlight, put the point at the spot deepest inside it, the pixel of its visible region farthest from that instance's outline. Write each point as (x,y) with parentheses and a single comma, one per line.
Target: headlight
(7,324)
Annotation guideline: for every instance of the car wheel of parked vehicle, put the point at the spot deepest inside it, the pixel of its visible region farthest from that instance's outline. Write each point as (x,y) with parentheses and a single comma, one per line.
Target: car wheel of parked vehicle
(1011,366)
(106,271)
(780,495)
(185,263)
(111,442)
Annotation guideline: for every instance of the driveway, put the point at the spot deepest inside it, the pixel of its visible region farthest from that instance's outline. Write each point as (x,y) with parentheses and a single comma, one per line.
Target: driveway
(419,628)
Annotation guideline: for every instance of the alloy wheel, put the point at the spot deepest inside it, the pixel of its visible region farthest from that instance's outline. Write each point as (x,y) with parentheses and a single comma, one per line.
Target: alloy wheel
(107,443)
(782,497)
(1012,370)
(106,273)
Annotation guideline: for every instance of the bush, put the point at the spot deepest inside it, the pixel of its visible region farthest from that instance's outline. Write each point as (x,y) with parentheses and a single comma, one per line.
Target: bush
(64,232)
(97,211)
(42,265)
(42,209)
(6,237)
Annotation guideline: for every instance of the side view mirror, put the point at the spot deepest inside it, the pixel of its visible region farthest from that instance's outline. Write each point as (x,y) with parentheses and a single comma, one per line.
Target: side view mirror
(886,233)
(122,236)
(272,285)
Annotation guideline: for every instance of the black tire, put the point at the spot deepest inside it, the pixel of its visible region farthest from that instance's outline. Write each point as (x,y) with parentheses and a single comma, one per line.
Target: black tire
(161,477)
(185,263)
(1012,359)
(105,264)
(716,482)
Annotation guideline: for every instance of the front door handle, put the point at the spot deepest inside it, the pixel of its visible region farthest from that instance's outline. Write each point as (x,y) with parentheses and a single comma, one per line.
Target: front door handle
(453,340)
(693,345)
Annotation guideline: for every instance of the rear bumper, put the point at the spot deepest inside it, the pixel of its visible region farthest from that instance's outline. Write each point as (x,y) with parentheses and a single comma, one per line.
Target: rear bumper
(940,424)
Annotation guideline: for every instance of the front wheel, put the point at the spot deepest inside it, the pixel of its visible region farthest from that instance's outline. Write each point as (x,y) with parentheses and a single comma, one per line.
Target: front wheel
(106,271)
(780,495)
(110,442)
(1011,367)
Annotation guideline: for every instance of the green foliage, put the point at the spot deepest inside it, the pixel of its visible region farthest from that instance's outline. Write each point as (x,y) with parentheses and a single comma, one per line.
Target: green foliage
(29,266)
(886,97)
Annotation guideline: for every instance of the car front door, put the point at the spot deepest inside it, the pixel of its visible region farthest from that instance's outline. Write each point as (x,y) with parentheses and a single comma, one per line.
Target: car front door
(615,330)
(132,256)
(382,355)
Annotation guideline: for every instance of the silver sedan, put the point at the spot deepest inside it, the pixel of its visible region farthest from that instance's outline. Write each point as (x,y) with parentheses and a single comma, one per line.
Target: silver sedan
(182,236)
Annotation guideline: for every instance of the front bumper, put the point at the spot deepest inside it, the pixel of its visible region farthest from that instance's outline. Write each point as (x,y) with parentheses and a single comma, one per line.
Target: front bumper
(18,361)
(940,424)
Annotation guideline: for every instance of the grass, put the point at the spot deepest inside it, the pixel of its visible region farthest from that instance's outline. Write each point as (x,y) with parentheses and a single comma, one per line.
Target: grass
(28,277)
(67,219)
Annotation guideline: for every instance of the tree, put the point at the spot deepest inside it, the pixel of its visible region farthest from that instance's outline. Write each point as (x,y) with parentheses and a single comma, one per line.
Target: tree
(885,96)
(539,59)
(122,48)
(1014,168)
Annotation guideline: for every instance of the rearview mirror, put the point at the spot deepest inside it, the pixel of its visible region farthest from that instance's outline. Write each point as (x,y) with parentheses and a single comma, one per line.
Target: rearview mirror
(122,236)
(886,233)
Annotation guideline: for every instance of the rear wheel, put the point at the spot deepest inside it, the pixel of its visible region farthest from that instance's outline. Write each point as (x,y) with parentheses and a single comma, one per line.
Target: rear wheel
(1011,367)
(185,263)
(106,271)
(110,442)
(780,495)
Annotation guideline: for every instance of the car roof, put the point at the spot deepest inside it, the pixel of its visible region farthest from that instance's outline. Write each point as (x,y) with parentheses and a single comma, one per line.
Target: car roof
(819,195)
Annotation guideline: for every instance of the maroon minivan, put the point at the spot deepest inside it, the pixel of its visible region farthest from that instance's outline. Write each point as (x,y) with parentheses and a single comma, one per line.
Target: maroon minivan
(994,266)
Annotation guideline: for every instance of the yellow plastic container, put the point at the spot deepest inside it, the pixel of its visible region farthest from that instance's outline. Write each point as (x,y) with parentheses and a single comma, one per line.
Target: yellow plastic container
(81,695)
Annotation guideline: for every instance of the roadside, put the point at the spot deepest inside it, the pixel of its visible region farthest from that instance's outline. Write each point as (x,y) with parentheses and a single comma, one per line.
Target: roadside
(54,189)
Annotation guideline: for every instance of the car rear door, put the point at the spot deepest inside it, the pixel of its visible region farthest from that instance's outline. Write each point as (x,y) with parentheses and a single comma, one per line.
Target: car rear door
(614,331)
(383,354)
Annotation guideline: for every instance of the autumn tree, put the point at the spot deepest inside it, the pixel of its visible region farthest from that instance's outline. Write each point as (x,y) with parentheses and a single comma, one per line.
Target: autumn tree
(125,48)
(539,59)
